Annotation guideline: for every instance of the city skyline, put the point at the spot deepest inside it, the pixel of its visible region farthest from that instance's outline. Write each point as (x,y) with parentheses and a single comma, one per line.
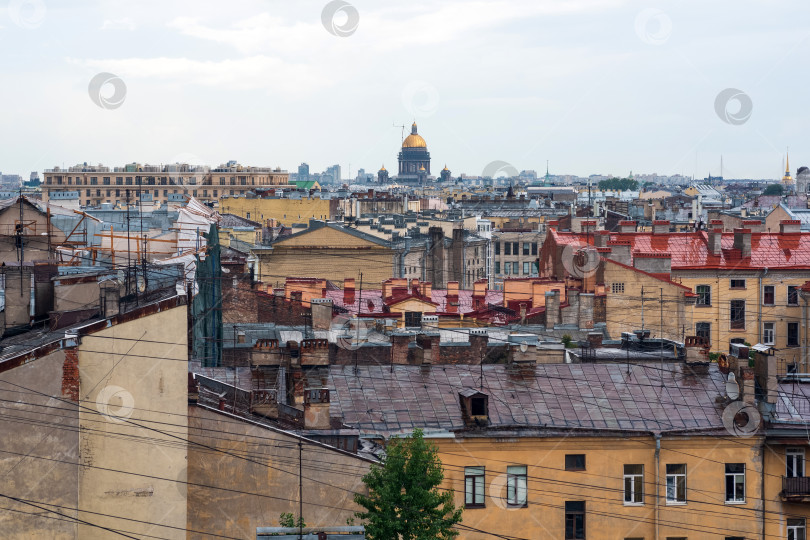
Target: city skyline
(596,87)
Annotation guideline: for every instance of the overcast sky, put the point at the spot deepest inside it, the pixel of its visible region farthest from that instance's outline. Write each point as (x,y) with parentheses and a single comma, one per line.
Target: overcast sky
(593,86)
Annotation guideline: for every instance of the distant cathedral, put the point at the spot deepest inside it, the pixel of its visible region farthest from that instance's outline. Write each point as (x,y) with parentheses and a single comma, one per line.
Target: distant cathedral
(414,159)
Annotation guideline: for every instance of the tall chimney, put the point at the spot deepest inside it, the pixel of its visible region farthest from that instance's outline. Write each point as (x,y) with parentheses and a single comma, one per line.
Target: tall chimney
(715,244)
(742,241)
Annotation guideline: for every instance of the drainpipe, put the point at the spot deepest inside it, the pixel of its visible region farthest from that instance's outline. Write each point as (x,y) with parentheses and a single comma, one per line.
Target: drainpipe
(403,255)
(759,323)
(657,480)
(762,489)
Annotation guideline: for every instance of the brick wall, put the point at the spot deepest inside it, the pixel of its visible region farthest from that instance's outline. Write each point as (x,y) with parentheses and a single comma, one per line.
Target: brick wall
(70,375)
(277,309)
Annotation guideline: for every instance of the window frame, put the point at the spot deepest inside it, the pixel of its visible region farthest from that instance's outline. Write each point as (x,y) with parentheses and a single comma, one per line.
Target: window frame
(527,269)
(768,293)
(574,458)
(472,481)
(794,526)
(617,288)
(795,452)
(704,297)
(739,322)
(792,294)
(792,342)
(734,476)
(578,530)
(675,477)
(513,486)
(768,328)
(636,486)
(736,283)
(708,333)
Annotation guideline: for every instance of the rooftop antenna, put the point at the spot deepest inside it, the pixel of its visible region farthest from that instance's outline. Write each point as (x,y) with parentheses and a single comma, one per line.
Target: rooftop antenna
(402,136)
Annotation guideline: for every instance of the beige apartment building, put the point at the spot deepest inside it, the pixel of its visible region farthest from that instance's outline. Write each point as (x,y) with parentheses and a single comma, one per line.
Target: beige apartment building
(93,185)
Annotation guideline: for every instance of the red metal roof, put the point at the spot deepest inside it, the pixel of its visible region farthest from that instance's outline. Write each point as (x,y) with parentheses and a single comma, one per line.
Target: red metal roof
(690,250)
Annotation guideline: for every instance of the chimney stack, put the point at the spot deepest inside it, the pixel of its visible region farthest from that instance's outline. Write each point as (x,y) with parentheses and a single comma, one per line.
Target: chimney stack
(661,226)
(715,243)
(790,226)
(742,241)
(348,291)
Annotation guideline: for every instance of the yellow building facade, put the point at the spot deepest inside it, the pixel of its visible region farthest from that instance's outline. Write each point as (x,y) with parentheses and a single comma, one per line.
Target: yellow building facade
(625,486)
(283,211)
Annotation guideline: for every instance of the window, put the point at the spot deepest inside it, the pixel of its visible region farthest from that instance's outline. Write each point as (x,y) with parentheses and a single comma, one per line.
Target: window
(515,250)
(767,333)
(768,295)
(497,248)
(527,268)
(795,529)
(413,318)
(507,248)
(574,520)
(617,288)
(526,248)
(735,482)
(703,330)
(506,268)
(478,406)
(738,314)
(516,485)
(515,268)
(574,462)
(634,484)
(704,293)
(474,487)
(794,462)
(497,267)
(792,334)
(793,295)
(737,283)
(676,484)
(534,248)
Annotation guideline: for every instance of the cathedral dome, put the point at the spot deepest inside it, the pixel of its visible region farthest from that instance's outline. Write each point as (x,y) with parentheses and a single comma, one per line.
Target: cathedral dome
(414,140)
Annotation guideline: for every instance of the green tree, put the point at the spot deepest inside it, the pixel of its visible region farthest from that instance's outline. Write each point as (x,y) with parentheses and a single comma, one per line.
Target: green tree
(621,184)
(404,500)
(774,189)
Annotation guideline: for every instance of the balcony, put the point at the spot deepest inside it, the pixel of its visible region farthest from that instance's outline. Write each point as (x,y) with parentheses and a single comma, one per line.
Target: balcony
(795,489)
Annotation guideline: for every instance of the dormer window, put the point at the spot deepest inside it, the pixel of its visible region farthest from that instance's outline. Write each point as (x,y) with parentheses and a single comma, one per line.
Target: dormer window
(474,407)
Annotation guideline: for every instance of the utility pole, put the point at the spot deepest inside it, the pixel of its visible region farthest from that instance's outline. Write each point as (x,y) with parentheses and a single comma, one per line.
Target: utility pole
(662,337)
(359,309)
(300,490)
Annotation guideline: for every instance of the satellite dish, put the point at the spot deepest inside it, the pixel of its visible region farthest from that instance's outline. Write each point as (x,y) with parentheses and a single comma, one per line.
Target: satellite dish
(523,347)
(732,388)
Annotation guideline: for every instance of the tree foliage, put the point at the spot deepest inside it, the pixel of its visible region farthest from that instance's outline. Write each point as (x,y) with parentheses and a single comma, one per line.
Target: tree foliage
(774,189)
(620,184)
(404,500)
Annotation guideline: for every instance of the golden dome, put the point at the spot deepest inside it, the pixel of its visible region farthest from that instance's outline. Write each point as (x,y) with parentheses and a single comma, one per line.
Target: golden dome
(445,168)
(382,168)
(422,168)
(414,141)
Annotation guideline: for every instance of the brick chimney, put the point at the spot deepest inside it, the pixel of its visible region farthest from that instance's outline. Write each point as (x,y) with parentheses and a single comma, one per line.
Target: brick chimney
(715,244)
(552,308)
(626,226)
(399,348)
(478,344)
(742,241)
(348,291)
(600,238)
(716,224)
(790,226)
(661,226)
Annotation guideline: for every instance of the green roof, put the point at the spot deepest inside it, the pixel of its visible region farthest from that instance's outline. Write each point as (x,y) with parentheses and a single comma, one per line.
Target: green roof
(305,184)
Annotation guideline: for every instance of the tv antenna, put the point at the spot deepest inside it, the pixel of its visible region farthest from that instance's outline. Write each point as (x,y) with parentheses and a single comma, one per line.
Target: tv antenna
(402,127)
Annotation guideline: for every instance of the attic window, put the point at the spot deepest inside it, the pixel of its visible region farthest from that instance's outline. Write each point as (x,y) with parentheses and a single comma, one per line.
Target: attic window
(478,406)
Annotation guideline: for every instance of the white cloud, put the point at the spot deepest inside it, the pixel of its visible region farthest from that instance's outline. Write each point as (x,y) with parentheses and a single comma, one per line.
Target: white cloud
(118,24)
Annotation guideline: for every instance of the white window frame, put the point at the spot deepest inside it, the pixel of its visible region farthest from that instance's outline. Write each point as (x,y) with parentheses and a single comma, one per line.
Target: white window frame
(636,485)
(794,529)
(517,489)
(768,333)
(735,476)
(796,455)
(474,486)
(672,480)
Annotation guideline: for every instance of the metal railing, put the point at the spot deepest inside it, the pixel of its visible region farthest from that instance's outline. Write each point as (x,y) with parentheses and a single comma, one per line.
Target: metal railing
(796,486)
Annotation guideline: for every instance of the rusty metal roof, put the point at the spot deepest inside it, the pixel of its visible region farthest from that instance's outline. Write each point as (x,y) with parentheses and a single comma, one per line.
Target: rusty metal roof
(596,397)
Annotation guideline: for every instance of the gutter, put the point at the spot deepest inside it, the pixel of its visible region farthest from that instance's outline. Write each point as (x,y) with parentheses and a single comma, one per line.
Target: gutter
(657,480)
